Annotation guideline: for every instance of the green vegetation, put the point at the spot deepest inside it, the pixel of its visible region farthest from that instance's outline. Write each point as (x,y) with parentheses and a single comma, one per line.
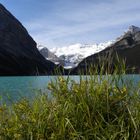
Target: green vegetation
(94,108)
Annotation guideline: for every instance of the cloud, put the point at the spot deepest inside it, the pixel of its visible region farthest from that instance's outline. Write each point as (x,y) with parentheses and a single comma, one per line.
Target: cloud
(71,20)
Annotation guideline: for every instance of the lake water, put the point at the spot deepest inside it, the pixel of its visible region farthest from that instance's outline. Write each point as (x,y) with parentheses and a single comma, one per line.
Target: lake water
(26,86)
(14,88)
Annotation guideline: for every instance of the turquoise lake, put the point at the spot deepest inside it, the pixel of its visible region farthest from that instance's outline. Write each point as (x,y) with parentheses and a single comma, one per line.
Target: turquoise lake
(13,88)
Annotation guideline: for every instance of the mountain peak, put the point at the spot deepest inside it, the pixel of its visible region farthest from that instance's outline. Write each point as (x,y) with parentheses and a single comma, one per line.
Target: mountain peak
(133,29)
(1,6)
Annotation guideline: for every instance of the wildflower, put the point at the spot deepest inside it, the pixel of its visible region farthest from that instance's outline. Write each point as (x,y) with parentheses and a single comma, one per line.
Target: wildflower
(50,86)
(76,91)
(115,89)
(17,136)
(124,89)
(61,79)
(1,109)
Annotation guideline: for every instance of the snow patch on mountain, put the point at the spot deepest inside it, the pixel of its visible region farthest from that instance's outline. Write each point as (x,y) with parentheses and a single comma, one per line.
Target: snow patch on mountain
(75,53)
(80,49)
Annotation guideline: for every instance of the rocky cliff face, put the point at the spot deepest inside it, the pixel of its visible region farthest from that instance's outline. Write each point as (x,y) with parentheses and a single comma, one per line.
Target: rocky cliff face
(18,52)
(50,56)
(127,47)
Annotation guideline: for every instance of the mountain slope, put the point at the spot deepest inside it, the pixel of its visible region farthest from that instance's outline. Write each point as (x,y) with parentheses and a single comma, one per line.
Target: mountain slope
(127,47)
(18,52)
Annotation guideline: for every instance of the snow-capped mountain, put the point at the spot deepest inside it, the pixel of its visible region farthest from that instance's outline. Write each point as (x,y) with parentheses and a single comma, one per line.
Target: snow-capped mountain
(75,53)
(131,31)
(70,56)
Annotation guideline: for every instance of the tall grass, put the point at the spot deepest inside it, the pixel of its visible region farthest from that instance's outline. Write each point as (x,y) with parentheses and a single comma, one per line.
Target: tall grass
(99,107)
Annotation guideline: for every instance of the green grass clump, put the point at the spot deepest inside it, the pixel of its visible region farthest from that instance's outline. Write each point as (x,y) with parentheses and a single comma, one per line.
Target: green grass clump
(93,108)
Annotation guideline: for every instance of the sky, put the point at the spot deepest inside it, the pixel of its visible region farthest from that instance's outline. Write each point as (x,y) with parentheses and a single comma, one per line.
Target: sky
(58,23)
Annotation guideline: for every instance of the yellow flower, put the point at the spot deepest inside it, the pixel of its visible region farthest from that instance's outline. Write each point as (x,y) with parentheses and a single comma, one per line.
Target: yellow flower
(17,136)
(124,89)
(115,90)
(50,86)
(1,109)
(61,79)
(76,91)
